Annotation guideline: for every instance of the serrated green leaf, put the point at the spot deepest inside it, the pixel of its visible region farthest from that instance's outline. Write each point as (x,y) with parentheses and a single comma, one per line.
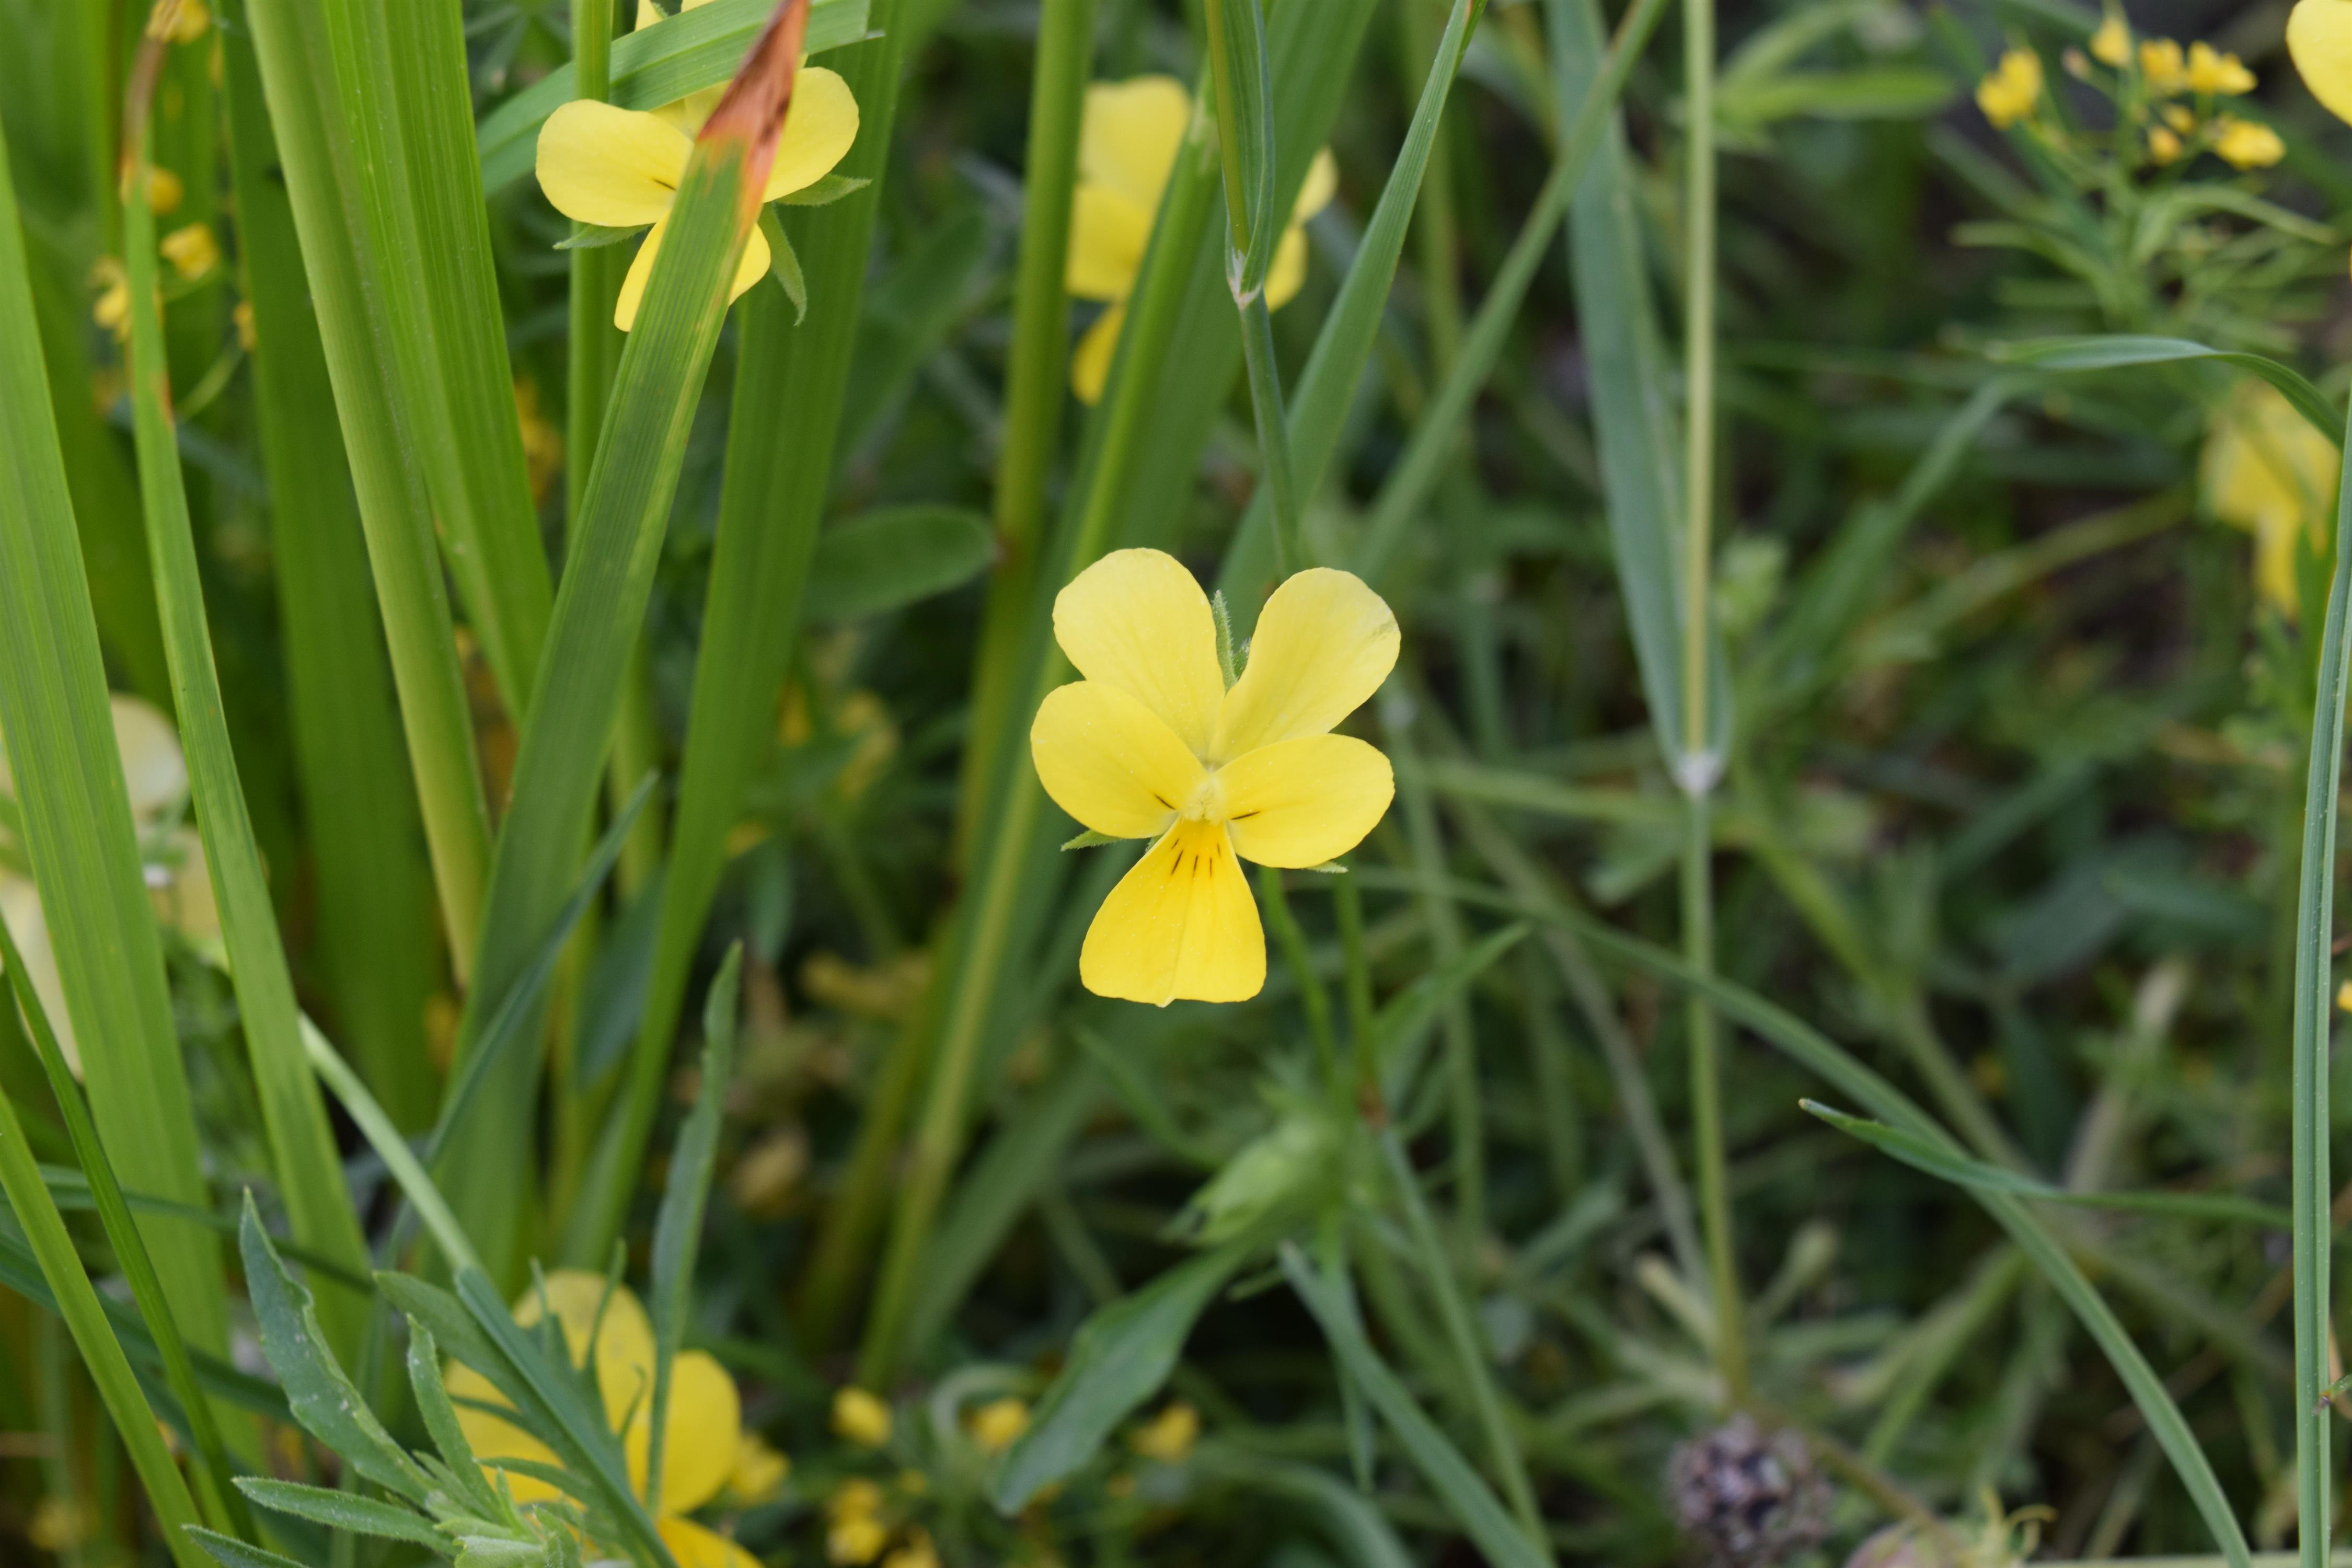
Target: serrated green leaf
(347,1511)
(230,1553)
(440,1418)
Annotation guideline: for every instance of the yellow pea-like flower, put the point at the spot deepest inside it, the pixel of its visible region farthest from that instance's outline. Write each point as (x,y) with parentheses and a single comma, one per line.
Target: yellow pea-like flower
(2012,88)
(997,1424)
(2163,145)
(1128,142)
(2212,71)
(193,251)
(2247,145)
(703,1443)
(861,1417)
(1152,744)
(2163,65)
(2111,45)
(620,168)
(2266,470)
(2319,40)
(1168,1438)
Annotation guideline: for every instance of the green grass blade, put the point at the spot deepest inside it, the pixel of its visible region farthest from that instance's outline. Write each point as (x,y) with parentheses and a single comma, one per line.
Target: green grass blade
(607,580)
(408,1173)
(1449,1475)
(2313,1015)
(301,1144)
(678,1232)
(375,896)
(396,511)
(1344,346)
(2119,351)
(786,408)
(76,819)
(689,52)
(78,1304)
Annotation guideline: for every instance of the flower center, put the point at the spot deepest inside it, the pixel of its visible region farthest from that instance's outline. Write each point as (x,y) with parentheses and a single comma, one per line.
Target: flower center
(1206,803)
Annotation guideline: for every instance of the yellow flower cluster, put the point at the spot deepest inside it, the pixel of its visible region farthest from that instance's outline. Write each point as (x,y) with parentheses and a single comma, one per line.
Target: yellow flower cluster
(2009,90)
(2010,94)
(856,1531)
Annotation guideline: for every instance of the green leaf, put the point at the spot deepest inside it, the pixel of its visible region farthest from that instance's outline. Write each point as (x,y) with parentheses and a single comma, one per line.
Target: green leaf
(301,1144)
(322,1396)
(1876,92)
(824,191)
(887,559)
(693,50)
(678,1229)
(1120,1357)
(1351,1521)
(347,1511)
(440,1418)
(1243,83)
(230,1553)
(1441,1464)
(407,1171)
(784,265)
(57,734)
(592,236)
(1089,839)
(1403,1022)
(2119,351)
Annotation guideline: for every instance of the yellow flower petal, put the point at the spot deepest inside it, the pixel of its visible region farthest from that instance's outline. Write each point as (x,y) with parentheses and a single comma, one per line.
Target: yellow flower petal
(1180,925)
(612,167)
(702,1433)
(818,128)
(1131,134)
(1324,644)
(20,906)
(1090,366)
(2319,38)
(696,1547)
(1286,275)
(1138,621)
(861,1417)
(493,1439)
(1110,761)
(747,271)
(1315,193)
(1303,802)
(624,1338)
(1107,236)
(153,769)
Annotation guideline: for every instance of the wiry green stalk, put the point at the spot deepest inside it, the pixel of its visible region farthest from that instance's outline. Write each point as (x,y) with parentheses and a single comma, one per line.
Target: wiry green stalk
(2315,1480)
(1698,768)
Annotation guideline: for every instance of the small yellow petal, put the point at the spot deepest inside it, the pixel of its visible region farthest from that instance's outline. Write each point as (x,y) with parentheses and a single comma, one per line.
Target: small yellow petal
(1303,802)
(861,1417)
(20,906)
(1137,620)
(1089,367)
(154,771)
(996,1425)
(749,268)
(819,127)
(701,1435)
(193,251)
(2162,63)
(1315,193)
(1131,134)
(1324,644)
(758,1473)
(1110,761)
(1168,1437)
(612,167)
(1181,925)
(2246,145)
(1108,237)
(696,1547)
(2111,45)
(1286,274)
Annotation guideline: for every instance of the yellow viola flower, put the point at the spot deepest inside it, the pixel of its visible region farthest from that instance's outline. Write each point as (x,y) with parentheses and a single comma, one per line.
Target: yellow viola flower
(2160,61)
(179,882)
(2212,71)
(997,1424)
(619,168)
(861,1417)
(2111,45)
(2266,470)
(1128,142)
(2247,145)
(193,251)
(1152,744)
(2012,88)
(2319,40)
(702,1432)
(1168,1438)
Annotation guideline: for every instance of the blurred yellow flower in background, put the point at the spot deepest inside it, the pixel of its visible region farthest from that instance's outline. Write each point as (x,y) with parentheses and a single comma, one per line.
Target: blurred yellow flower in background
(2209,70)
(1168,1438)
(2163,145)
(2246,145)
(861,1417)
(1128,144)
(2266,470)
(620,168)
(2012,88)
(1153,744)
(179,882)
(997,1424)
(2111,44)
(2161,62)
(855,1530)
(193,251)
(703,1443)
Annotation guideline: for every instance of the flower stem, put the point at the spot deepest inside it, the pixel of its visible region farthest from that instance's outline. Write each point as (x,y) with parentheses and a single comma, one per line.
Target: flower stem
(1698,496)
(1273,441)
(1311,992)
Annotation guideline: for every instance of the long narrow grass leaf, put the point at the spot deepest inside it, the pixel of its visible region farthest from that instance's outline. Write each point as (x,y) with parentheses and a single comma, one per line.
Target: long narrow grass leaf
(2120,351)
